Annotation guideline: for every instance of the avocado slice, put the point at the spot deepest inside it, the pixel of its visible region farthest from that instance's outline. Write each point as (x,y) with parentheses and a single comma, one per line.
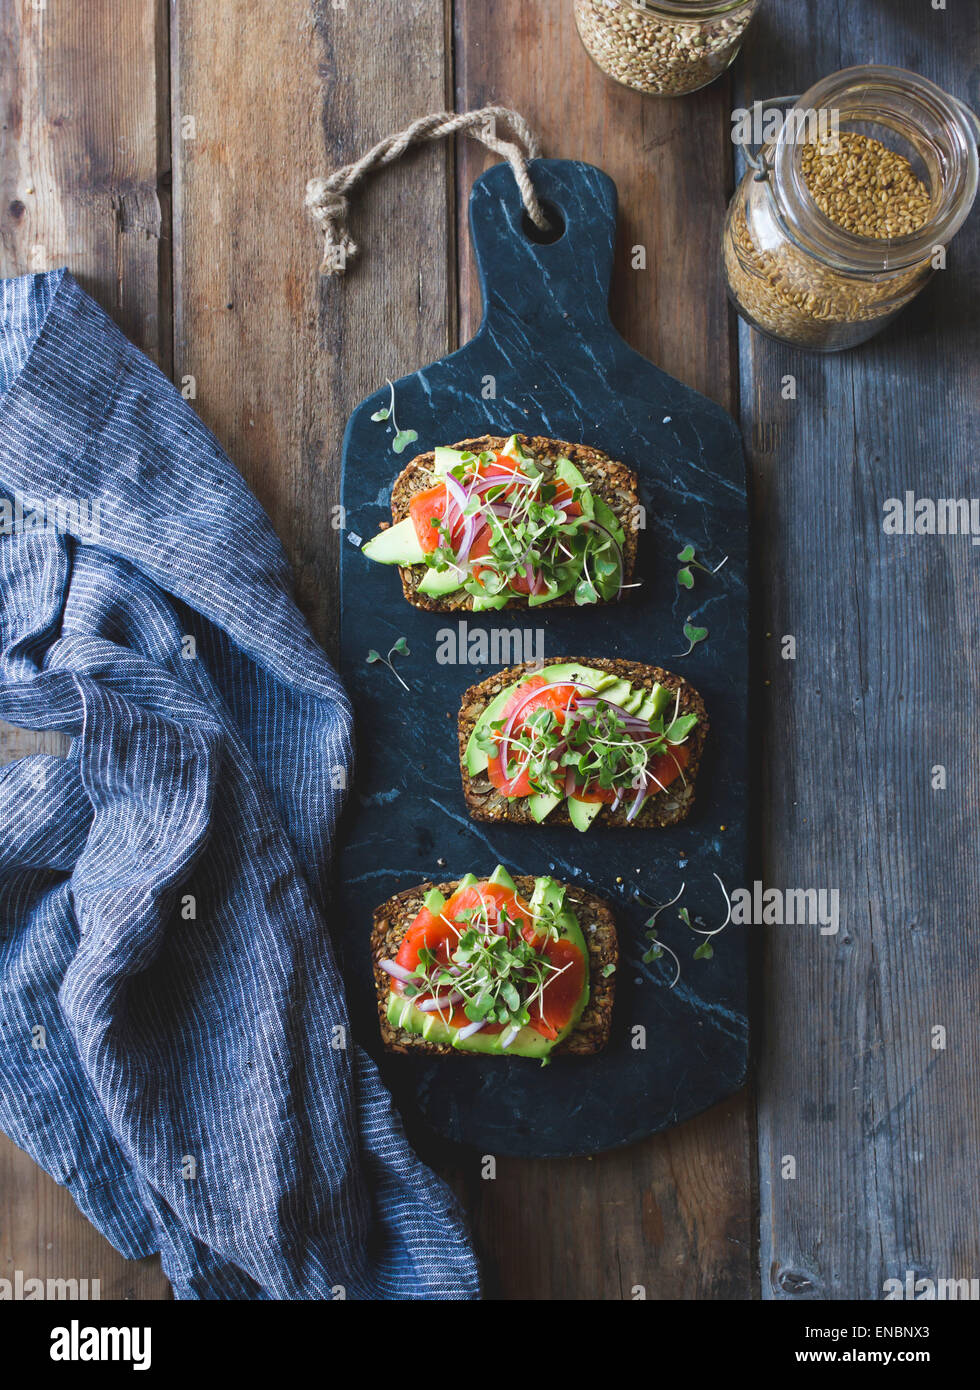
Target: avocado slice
(396,545)
(617,692)
(484,603)
(434,902)
(541,805)
(647,704)
(403,1014)
(512,449)
(583,813)
(446,459)
(435,582)
(502,879)
(655,702)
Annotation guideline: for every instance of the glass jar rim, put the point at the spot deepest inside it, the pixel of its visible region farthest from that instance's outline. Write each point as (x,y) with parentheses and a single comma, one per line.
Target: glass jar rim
(687,9)
(816,233)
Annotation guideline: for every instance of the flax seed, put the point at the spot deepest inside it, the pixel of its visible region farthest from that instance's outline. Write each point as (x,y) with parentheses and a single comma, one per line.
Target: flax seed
(864,188)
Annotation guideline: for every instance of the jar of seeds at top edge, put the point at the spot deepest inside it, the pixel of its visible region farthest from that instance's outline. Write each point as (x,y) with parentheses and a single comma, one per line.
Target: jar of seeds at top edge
(848,210)
(664,47)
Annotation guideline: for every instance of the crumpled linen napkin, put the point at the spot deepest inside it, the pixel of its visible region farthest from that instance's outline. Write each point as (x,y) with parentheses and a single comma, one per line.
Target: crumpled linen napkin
(174,1044)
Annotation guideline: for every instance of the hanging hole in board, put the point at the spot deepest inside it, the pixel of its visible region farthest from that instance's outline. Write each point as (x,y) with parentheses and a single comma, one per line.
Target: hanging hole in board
(544,236)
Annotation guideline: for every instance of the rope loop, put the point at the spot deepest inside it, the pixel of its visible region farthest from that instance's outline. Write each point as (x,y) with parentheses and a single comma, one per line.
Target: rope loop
(327,201)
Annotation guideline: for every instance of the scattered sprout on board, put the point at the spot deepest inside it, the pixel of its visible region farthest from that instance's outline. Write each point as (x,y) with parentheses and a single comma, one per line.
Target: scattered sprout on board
(402,438)
(685,575)
(400,648)
(694,635)
(705,951)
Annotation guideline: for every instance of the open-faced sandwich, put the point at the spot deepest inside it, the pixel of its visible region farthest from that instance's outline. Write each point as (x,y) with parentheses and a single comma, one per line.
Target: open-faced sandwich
(580,741)
(499,966)
(518,522)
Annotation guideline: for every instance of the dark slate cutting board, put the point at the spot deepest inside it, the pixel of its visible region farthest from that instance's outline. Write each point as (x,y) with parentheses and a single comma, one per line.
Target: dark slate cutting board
(558,368)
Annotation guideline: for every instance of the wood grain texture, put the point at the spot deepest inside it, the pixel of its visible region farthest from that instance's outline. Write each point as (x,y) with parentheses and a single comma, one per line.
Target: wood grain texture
(665,1219)
(673,1215)
(279,355)
(883,1127)
(84,166)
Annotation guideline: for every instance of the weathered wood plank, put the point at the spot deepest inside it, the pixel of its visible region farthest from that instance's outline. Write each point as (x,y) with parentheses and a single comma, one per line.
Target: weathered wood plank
(43,1235)
(882,1127)
(279,356)
(674,1214)
(83,93)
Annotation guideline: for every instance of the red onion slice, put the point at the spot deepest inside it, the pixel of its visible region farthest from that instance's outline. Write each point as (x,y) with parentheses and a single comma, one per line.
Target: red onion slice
(440,1001)
(399,972)
(484,484)
(645,790)
(456,495)
(631,722)
(470,1029)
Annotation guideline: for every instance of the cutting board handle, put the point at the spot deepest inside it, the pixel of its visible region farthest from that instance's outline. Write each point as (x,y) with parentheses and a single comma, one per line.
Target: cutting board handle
(528,280)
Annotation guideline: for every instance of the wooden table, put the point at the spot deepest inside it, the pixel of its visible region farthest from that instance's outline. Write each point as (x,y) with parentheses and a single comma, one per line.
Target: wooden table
(161,153)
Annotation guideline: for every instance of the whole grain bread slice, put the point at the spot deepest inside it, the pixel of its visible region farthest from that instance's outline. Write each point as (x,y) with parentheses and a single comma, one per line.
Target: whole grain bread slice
(486,803)
(393,918)
(613,482)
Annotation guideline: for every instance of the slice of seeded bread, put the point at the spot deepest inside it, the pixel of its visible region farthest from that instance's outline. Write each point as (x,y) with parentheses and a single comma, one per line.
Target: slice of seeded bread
(393,918)
(667,807)
(613,482)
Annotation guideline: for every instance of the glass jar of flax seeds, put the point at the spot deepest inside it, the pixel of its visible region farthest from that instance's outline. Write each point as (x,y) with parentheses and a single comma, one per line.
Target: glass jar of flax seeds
(665,47)
(848,210)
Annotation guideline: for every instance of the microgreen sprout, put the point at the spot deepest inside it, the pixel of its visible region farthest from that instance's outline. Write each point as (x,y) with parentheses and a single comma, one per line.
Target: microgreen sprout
(694,635)
(657,948)
(387,412)
(706,951)
(401,648)
(685,575)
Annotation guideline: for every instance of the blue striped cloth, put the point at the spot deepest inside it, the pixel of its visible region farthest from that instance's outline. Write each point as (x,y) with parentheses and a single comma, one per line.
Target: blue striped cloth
(174,1043)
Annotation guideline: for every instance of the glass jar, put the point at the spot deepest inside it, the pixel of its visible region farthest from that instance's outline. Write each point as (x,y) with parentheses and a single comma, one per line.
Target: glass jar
(666,47)
(827,238)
